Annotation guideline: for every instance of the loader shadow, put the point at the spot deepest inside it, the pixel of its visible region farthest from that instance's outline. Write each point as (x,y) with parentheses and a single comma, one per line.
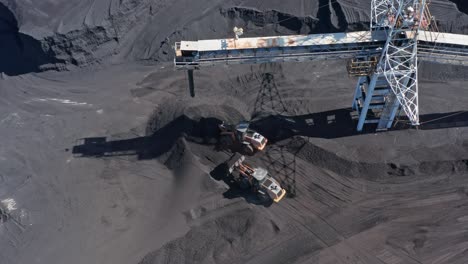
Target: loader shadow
(20,53)
(221,173)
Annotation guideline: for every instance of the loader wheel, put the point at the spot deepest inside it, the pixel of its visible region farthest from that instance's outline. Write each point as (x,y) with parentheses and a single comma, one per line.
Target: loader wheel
(244,184)
(225,141)
(248,150)
(220,172)
(263,197)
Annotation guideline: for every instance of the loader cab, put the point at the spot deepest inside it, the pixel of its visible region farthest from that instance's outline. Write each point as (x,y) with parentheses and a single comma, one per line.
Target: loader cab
(268,184)
(242,127)
(258,141)
(257,179)
(274,189)
(260,174)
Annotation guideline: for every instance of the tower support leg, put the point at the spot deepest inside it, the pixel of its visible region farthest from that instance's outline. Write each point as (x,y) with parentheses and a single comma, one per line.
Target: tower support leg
(373,93)
(395,108)
(367,101)
(358,93)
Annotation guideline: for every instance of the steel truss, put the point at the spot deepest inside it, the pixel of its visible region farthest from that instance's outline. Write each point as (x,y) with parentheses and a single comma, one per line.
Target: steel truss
(394,83)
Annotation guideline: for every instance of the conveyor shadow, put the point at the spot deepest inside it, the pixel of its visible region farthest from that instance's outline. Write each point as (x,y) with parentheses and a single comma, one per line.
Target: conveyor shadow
(342,123)
(329,124)
(438,121)
(151,146)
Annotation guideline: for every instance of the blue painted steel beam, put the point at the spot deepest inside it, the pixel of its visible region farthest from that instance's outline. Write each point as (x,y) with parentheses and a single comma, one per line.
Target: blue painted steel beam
(358,93)
(365,107)
(395,106)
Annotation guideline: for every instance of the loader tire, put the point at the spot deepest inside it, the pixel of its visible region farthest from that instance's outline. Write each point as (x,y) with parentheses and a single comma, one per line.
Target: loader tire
(244,184)
(225,141)
(263,198)
(248,150)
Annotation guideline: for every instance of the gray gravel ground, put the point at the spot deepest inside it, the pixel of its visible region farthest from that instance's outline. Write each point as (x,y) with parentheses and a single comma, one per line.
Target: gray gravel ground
(75,72)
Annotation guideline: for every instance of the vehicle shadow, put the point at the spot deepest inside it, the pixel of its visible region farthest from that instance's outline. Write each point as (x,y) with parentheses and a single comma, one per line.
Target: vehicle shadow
(20,53)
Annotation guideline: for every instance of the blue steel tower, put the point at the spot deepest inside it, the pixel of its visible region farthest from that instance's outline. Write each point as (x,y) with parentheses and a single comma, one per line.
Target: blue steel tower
(390,82)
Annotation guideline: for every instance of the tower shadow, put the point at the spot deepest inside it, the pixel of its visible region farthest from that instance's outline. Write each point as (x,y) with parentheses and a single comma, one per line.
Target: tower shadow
(282,165)
(268,97)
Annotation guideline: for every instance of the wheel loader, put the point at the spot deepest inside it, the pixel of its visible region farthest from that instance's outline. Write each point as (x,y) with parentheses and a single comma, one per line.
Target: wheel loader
(256,179)
(240,136)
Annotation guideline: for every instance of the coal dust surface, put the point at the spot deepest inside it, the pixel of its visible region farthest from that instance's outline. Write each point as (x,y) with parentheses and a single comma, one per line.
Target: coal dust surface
(106,158)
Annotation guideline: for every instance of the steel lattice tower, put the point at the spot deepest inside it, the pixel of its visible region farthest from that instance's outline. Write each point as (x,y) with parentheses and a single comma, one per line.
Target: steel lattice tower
(394,81)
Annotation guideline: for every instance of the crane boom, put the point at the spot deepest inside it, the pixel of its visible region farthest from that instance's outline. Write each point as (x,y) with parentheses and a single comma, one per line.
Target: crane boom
(385,58)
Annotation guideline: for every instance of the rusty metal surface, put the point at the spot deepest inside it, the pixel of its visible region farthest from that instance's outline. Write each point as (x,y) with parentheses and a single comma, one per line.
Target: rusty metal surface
(283,41)
(361,37)
(441,38)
